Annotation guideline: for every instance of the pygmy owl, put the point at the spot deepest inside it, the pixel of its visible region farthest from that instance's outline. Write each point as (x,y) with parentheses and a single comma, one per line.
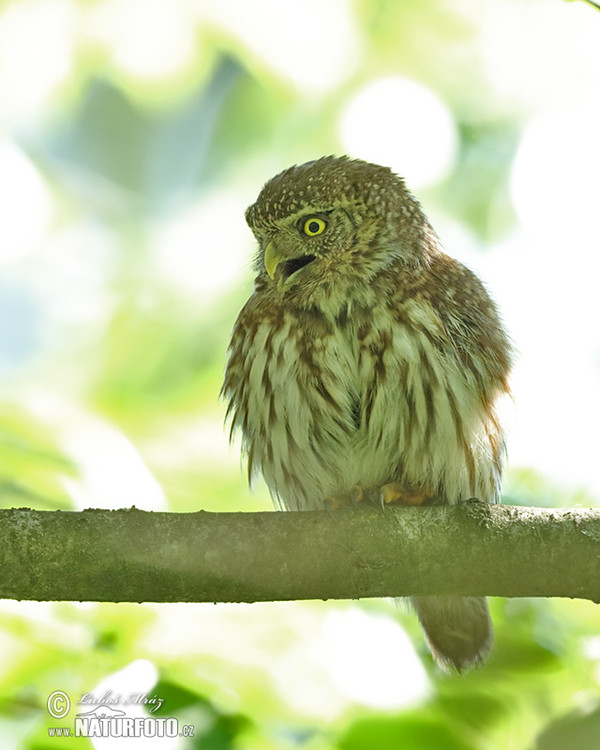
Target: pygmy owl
(368,362)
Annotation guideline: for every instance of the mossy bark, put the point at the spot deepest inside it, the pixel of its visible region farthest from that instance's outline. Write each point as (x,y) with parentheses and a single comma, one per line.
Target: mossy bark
(137,556)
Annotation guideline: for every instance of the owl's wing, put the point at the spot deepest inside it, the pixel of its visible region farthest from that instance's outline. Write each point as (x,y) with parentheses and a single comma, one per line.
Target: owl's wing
(472,324)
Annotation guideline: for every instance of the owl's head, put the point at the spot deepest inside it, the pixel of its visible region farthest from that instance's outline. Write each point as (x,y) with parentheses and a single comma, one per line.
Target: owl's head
(329,222)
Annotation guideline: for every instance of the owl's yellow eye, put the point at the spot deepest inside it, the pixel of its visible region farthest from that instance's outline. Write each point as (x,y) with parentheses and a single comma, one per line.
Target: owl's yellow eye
(313,225)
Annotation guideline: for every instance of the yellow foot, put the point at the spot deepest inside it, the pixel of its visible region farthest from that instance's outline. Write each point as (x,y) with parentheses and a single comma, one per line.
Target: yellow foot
(355,495)
(396,493)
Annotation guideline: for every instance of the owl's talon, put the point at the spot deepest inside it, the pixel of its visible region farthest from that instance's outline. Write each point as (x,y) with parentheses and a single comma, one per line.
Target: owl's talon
(354,496)
(357,494)
(397,494)
(334,502)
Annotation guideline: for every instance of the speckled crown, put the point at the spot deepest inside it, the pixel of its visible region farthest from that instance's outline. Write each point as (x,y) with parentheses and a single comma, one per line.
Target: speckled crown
(323,182)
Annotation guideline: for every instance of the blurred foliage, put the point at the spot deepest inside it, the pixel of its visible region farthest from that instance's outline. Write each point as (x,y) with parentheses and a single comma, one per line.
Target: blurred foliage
(114,322)
(32,468)
(590,2)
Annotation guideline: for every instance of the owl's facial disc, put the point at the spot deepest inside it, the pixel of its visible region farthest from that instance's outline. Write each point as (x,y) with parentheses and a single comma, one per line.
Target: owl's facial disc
(276,264)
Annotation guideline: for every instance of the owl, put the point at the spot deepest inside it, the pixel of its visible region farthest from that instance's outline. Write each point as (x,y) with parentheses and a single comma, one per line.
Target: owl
(367,363)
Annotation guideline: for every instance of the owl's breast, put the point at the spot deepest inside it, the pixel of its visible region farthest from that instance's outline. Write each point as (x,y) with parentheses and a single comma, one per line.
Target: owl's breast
(294,388)
(316,404)
(325,405)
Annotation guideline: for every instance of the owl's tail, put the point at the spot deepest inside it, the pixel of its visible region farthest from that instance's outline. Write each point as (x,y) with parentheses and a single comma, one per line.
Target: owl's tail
(458,630)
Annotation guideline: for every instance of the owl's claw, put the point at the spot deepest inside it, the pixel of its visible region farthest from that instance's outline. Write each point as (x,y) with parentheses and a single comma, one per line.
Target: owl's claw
(354,496)
(397,494)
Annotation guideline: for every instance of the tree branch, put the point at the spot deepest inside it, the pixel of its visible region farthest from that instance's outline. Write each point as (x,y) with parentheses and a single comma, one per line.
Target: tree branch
(134,556)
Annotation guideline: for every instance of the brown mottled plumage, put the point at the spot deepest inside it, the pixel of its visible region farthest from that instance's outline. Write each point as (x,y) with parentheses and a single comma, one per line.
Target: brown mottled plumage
(367,357)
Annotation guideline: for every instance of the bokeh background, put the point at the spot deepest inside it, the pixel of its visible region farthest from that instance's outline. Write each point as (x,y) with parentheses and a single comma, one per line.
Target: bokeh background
(133,135)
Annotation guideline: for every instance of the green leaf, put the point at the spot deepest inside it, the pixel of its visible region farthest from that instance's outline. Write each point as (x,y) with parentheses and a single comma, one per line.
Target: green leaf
(422,731)
(576,730)
(32,467)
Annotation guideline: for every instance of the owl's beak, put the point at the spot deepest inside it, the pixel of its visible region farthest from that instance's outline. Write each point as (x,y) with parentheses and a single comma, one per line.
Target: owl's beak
(272,259)
(282,267)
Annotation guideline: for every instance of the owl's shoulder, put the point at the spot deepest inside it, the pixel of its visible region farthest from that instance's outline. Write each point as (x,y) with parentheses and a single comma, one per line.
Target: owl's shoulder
(259,308)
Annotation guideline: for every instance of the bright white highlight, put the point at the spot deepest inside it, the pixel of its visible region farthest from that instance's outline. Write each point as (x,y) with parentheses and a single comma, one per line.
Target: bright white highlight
(371,660)
(319,660)
(404,125)
(315,45)
(26,203)
(139,676)
(136,679)
(147,38)
(206,248)
(545,277)
(555,181)
(110,472)
(36,48)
